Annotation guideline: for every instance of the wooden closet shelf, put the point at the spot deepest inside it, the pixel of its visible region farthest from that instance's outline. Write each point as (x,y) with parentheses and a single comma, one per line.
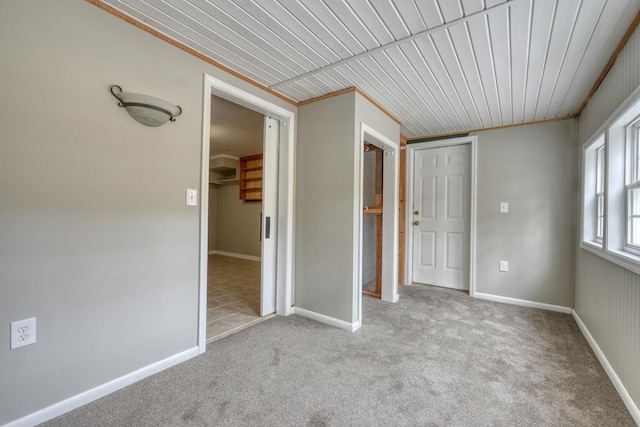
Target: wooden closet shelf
(251,178)
(372,210)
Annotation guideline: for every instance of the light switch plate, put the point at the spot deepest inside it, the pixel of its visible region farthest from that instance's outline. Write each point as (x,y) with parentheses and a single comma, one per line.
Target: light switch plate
(192,197)
(504,207)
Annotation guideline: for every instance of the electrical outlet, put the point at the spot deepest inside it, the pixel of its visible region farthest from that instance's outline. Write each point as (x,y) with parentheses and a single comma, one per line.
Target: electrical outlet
(504,207)
(504,266)
(23,332)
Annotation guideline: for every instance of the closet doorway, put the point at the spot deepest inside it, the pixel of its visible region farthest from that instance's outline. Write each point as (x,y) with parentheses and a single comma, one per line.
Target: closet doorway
(241,239)
(372,224)
(376,220)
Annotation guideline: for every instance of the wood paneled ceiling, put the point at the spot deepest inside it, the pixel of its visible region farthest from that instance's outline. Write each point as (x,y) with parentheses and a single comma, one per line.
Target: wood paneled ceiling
(440,66)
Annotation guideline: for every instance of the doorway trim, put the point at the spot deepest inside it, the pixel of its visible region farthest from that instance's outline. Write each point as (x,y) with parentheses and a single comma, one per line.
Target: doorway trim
(412,148)
(391,166)
(285,201)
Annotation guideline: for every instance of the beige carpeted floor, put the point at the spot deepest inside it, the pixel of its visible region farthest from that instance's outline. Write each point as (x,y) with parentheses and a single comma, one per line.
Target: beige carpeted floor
(435,358)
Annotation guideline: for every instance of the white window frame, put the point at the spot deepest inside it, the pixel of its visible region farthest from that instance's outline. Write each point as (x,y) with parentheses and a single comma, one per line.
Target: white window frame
(620,137)
(600,171)
(592,235)
(632,181)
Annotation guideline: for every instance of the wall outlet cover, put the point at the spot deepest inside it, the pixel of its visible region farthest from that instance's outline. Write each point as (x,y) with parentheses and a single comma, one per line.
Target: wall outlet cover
(23,332)
(504,266)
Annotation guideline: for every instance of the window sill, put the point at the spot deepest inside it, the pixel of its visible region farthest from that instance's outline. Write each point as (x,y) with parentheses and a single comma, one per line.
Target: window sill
(594,247)
(624,259)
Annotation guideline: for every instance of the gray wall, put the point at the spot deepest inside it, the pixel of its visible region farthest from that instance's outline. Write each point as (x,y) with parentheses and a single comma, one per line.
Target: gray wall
(372,116)
(95,239)
(238,223)
(607,296)
(324,207)
(533,168)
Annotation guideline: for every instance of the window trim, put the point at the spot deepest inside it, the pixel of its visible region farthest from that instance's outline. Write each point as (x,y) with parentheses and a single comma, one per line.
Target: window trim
(614,133)
(589,217)
(632,180)
(599,173)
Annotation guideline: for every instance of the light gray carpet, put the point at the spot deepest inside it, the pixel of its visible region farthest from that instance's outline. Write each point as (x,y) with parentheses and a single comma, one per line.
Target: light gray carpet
(435,358)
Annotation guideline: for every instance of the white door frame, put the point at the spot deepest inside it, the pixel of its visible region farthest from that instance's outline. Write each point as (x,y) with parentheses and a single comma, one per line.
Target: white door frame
(412,148)
(391,165)
(286,165)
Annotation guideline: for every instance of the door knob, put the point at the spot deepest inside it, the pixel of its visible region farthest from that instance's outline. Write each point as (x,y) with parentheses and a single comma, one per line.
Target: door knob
(416,222)
(416,212)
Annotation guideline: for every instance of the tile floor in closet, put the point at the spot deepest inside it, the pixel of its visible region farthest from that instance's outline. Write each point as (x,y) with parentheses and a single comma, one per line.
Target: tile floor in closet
(233,295)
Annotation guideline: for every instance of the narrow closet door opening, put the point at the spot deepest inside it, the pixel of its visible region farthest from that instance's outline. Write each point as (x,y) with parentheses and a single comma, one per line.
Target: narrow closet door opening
(376,219)
(372,198)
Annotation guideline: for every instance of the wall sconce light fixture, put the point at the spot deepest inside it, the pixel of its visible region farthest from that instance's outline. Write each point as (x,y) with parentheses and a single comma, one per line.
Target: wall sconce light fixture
(146,109)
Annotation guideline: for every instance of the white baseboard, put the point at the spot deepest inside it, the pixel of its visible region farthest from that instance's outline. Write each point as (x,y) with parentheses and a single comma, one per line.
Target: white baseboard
(332,321)
(234,255)
(523,302)
(617,383)
(88,396)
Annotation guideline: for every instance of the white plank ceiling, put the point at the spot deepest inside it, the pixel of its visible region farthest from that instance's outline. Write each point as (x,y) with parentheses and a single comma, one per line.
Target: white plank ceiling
(439,66)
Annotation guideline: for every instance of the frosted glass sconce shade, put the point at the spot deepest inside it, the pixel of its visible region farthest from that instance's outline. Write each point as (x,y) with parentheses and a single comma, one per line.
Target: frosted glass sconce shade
(146,109)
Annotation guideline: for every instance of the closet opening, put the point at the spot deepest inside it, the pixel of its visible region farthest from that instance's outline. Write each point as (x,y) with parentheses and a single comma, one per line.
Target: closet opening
(237,288)
(372,198)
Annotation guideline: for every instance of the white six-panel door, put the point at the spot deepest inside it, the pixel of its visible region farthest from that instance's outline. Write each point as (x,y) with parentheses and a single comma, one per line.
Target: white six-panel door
(441,216)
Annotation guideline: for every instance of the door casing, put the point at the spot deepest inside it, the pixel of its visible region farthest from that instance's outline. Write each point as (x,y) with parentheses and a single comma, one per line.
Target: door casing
(473,140)
(285,191)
